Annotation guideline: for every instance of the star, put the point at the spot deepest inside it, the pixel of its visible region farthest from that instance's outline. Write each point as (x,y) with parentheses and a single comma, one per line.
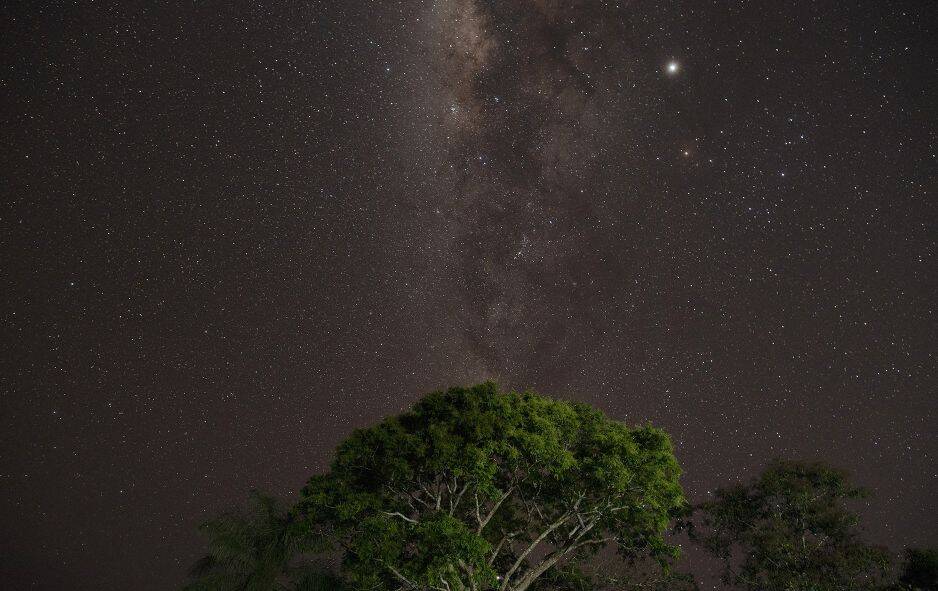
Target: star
(451,192)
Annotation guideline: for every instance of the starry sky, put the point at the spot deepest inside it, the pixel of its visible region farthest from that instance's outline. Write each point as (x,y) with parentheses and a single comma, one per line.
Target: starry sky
(232,232)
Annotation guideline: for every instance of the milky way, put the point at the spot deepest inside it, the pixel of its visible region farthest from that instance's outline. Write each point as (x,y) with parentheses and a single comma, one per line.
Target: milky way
(526,94)
(232,233)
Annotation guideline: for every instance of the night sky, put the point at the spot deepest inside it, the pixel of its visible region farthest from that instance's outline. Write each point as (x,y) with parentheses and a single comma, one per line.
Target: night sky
(231,233)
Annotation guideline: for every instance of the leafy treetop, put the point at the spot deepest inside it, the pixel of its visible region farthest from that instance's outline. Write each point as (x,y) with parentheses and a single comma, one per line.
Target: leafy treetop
(790,529)
(475,489)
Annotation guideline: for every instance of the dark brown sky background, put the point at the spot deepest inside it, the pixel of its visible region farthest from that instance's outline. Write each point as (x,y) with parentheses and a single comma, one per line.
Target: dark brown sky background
(231,233)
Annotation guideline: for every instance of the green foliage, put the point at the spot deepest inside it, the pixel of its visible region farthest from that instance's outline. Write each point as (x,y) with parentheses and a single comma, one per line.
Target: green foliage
(480,490)
(315,580)
(477,489)
(255,550)
(606,577)
(920,569)
(789,530)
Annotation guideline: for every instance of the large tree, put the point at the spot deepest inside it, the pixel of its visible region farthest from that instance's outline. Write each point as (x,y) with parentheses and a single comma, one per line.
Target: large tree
(475,489)
(790,529)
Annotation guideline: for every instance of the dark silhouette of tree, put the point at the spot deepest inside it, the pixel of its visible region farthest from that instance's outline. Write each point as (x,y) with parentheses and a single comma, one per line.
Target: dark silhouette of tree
(789,530)
(256,550)
(475,489)
(920,569)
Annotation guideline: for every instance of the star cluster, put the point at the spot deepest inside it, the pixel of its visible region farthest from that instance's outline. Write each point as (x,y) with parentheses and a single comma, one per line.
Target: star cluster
(233,233)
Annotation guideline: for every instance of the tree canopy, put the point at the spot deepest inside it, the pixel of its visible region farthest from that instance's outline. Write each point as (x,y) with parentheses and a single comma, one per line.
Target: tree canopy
(790,529)
(475,489)
(257,550)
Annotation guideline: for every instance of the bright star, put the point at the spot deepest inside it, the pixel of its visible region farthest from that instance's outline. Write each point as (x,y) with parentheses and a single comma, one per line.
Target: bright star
(673,67)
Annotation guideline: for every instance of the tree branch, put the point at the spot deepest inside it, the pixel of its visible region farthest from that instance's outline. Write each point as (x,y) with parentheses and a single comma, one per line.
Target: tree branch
(531,548)
(454,504)
(401,515)
(399,576)
(501,543)
(485,521)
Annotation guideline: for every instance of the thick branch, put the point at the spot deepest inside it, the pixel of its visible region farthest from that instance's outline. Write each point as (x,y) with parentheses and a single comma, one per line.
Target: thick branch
(553,559)
(572,543)
(400,577)
(483,521)
(454,503)
(531,548)
(471,574)
(501,543)
(401,515)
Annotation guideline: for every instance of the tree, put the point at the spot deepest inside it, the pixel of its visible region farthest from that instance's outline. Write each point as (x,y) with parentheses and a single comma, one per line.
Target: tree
(790,529)
(920,569)
(256,550)
(475,489)
(610,577)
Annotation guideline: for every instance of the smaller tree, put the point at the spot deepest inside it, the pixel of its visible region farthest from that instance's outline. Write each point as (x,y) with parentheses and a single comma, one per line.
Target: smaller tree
(920,569)
(258,549)
(789,530)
